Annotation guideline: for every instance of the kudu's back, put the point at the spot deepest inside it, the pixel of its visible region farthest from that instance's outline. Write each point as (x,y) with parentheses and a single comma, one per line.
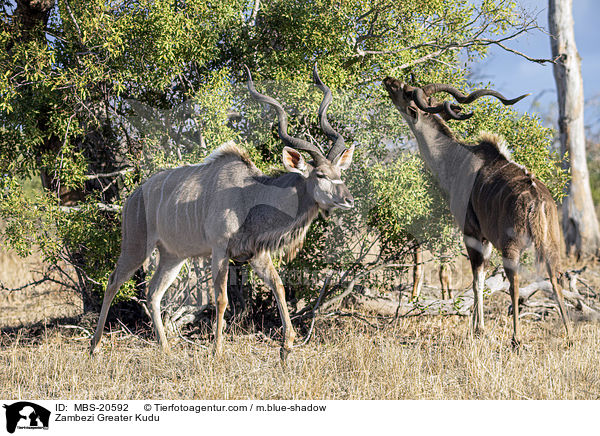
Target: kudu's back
(191,208)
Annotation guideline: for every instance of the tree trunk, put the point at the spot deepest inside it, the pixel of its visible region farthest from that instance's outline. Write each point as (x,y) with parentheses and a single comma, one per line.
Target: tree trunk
(580,224)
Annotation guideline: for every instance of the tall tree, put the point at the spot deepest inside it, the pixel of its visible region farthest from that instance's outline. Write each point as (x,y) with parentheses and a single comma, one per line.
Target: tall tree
(580,224)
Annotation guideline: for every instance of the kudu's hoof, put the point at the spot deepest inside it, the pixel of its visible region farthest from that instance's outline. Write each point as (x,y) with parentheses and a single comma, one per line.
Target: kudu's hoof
(217,352)
(478,332)
(93,349)
(516,344)
(284,353)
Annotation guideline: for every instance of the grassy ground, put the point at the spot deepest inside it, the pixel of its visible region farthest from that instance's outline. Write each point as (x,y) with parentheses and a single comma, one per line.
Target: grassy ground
(33,304)
(416,358)
(429,358)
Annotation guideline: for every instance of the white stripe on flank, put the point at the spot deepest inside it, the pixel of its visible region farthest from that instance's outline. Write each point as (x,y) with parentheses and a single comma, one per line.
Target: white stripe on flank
(162,188)
(139,206)
(196,214)
(187,216)
(176,215)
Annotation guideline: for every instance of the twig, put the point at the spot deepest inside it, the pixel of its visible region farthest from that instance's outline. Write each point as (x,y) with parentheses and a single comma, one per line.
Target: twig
(131,333)
(314,311)
(79,35)
(27,285)
(588,287)
(189,341)
(86,331)
(352,284)
(144,306)
(114,173)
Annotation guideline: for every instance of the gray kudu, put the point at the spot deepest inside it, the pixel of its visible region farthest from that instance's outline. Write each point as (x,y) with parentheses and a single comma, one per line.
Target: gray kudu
(494,200)
(226,208)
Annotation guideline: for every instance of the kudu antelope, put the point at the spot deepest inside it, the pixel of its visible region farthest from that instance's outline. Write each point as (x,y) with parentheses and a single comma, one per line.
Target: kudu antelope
(494,200)
(226,208)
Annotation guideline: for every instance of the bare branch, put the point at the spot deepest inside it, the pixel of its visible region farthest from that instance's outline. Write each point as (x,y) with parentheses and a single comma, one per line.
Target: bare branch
(104,207)
(314,311)
(113,174)
(523,55)
(27,285)
(79,34)
(254,13)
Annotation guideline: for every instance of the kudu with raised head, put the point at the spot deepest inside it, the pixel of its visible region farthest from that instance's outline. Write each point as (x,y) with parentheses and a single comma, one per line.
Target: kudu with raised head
(494,200)
(226,208)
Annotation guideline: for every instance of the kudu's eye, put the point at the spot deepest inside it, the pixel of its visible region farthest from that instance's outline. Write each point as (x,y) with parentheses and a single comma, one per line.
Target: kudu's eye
(321,175)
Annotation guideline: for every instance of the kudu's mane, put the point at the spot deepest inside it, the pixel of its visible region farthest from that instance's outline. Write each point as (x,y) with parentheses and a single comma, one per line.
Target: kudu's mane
(494,139)
(229,149)
(497,141)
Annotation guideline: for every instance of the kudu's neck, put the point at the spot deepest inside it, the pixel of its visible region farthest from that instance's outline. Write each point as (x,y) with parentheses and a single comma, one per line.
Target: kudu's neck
(281,212)
(453,163)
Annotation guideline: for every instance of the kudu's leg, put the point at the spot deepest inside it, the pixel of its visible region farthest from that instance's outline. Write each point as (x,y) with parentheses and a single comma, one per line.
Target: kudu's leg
(263,267)
(125,268)
(168,267)
(417,272)
(479,253)
(220,269)
(560,300)
(135,249)
(511,268)
(445,281)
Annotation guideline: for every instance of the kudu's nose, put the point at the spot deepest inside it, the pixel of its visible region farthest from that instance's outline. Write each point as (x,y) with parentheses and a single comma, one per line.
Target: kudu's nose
(349,201)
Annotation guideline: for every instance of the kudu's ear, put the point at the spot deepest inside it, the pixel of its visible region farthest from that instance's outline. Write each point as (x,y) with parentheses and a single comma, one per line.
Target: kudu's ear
(293,161)
(343,160)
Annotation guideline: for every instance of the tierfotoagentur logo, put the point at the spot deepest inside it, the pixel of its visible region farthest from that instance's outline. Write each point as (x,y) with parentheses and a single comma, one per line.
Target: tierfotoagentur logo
(26,415)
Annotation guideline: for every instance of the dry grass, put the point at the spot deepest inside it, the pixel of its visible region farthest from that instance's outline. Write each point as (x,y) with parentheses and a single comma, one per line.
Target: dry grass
(46,301)
(422,358)
(416,359)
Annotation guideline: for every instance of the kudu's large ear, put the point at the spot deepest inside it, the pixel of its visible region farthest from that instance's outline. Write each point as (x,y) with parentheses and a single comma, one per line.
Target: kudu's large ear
(293,161)
(344,159)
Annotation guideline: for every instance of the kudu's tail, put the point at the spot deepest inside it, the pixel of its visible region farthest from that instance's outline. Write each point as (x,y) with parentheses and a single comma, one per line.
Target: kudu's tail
(545,232)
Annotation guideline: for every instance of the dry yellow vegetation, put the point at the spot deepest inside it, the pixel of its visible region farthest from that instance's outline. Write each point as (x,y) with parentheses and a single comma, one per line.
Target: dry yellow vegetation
(428,358)
(411,358)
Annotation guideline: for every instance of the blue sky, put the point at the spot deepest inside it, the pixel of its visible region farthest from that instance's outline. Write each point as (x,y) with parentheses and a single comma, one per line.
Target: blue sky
(513,75)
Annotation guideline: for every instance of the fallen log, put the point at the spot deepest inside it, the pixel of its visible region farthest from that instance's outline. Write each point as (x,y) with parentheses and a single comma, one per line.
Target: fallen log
(391,305)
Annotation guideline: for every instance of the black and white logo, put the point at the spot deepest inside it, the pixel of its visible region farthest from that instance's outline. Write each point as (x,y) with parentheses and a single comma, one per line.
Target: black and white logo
(26,415)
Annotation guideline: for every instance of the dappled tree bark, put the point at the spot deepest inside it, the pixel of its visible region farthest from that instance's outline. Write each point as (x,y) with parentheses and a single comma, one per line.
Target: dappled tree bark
(580,224)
